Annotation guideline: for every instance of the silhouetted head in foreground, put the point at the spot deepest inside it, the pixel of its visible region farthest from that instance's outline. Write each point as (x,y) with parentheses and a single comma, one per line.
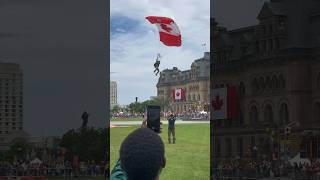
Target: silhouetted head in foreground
(142,155)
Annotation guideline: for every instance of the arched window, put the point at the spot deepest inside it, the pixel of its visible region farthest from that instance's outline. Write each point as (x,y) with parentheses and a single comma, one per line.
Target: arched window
(268,114)
(316,112)
(274,82)
(254,85)
(199,97)
(284,114)
(254,118)
(268,83)
(261,83)
(282,82)
(194,97)
(189,97)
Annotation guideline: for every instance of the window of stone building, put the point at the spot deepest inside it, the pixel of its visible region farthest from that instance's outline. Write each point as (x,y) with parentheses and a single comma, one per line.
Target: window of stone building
(264,46)
(240,147)
(199,97)
(228,147)
(257,47)
(264,30)
(277,43)
(284,114)
(268,83)
(270,29)
(270,43)
(261,84)
(252,141)
(241,118)
(254,115)
(193,97)
(282,82)
(274,82)
(316,112)
(254,85)
(217,147)
(189,97)
(242,89)
(318,81)
(268,114)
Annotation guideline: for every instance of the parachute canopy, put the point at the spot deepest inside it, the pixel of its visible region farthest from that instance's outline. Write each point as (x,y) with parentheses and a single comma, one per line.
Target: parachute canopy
(168,30)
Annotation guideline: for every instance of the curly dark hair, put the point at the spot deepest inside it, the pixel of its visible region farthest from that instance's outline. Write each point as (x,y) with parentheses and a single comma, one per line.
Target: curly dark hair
(142,155)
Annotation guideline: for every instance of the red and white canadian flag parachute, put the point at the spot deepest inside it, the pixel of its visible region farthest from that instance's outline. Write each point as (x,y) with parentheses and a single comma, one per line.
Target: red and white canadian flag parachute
(168,30)
(223,103)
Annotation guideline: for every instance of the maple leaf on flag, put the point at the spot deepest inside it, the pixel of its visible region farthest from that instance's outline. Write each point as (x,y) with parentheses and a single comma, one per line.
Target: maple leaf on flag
(178,94)
(217,103)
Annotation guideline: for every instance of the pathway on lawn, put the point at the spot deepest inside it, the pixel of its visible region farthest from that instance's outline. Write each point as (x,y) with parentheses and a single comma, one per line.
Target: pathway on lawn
(131,123)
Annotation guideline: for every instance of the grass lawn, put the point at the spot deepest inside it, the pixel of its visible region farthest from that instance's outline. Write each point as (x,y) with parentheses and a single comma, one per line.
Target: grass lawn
(188,159)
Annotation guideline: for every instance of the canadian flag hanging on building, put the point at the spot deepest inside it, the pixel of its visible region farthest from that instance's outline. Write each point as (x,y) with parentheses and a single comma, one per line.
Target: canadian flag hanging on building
(223,103)
(178,94)
(168,30)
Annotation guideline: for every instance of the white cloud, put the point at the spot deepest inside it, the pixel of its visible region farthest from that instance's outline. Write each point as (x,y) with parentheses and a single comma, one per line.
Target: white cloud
(133,53)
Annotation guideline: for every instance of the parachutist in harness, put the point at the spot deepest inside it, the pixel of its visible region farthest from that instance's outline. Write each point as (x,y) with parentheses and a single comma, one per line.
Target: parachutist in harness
(157,64)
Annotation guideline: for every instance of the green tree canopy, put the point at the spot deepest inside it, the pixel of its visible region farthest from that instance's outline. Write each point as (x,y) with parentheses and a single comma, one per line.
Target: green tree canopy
(87,143)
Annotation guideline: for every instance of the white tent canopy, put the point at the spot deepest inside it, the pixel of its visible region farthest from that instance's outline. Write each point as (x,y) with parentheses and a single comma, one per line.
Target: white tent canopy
(203,112)
(297,159)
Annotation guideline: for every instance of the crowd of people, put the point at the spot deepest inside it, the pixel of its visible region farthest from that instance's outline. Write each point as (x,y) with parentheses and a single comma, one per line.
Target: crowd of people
(194,115)
(266,169)
(55,168)
(185,115)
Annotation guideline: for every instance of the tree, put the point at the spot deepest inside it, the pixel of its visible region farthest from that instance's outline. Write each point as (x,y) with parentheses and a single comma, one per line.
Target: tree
(87,143)
(19,149)
(137,107)
(115,109)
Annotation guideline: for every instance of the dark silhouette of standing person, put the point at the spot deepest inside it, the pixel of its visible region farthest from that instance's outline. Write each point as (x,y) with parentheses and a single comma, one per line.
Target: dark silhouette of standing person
(85,119)
(171,128)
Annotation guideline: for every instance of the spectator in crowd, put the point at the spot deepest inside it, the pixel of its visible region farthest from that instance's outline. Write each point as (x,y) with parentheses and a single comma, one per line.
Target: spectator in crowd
(141,157)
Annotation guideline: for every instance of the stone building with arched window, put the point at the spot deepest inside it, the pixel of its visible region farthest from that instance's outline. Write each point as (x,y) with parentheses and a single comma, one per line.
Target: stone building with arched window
(195,82)
(275,66)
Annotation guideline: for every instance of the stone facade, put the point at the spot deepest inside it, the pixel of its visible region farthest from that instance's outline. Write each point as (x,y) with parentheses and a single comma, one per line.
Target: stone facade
(113,94)
(195,82)
(275,66)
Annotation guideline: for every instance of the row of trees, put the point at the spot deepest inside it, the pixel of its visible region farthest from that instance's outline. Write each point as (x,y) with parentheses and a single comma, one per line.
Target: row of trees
(138,107)
(86,143)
